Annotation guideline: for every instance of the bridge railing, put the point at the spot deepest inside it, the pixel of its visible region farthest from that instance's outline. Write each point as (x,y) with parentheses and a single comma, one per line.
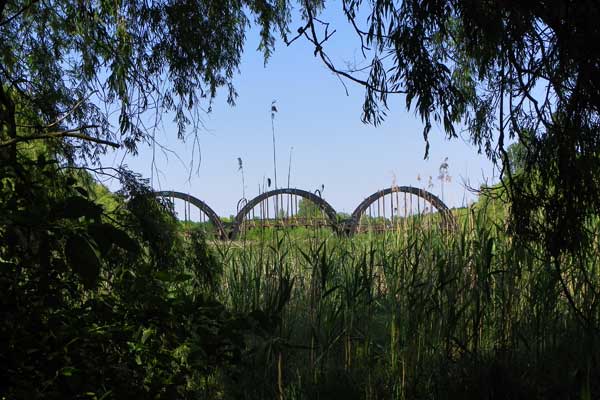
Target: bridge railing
(388,215)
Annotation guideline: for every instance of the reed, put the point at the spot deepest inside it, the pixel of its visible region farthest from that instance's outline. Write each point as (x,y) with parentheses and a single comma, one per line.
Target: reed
(416,313)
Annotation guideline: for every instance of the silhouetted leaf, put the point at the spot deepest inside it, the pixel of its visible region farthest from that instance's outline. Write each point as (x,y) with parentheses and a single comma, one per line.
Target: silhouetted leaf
(106,235)
(76,207)
(82,191)
(83,259)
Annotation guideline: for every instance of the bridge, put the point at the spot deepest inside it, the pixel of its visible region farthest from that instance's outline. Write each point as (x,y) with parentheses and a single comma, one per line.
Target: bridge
(385,210)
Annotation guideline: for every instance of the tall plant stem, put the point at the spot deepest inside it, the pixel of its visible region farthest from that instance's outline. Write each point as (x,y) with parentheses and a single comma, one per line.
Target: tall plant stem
(274,152)
(290,166)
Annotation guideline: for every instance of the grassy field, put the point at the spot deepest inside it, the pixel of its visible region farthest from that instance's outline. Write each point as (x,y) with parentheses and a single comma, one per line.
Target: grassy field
(414,313)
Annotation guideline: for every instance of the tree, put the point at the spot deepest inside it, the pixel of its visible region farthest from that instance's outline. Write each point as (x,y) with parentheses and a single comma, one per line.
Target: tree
(71,63)
(123,296)
(308,209)
(501,69)
(525,70)
(110,286)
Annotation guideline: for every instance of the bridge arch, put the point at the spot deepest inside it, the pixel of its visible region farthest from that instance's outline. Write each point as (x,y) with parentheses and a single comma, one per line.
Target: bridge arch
(210,213)
(317,200)
(353,223)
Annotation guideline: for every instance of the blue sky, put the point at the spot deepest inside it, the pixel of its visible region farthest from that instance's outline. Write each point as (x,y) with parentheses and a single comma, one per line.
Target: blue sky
(331,146)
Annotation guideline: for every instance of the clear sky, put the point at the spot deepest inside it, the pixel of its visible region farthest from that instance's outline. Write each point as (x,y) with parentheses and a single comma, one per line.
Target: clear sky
(331,146)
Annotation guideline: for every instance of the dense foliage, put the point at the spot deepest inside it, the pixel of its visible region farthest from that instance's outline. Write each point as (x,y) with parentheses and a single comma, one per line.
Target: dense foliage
(103,296)
(504,70)
(108,300)
(99,304)
(418,313)
(72,64)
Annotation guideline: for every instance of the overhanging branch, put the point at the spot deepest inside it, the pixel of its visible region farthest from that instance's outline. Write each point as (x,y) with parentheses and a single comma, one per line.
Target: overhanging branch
(75,133)
(318,43)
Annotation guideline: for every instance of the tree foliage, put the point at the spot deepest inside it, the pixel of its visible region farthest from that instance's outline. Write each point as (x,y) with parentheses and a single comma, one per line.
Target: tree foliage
(500,69)
(107,304)
(73,64)
(517,154)
(308,209)
(100,302)
(103,298)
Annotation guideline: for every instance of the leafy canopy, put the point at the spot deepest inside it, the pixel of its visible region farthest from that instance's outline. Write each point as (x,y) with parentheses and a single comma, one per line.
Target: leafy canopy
(73,63)
(522,70)
(102,297)
(503,70)
(114,302)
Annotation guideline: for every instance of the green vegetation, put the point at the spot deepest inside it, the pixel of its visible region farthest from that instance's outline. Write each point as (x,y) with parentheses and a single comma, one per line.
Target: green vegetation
(66,68)
(293,314)
(107,296)
(419,313)
(308,209)
(105,301)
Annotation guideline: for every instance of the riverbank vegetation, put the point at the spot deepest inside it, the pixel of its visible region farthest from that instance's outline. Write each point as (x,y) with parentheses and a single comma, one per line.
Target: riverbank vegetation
(107,296)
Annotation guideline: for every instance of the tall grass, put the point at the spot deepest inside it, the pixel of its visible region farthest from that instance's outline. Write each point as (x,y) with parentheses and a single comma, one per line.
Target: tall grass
(415,313)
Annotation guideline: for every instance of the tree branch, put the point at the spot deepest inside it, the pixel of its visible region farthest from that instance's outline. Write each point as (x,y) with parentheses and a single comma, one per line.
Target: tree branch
(313,38)
(74,133)
(21,11)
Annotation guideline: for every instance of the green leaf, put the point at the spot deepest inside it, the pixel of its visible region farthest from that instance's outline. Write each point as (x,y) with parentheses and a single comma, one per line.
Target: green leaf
(101,235)
(83,259)
(123,240)
(68,371)
(146,333)
(163,276)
